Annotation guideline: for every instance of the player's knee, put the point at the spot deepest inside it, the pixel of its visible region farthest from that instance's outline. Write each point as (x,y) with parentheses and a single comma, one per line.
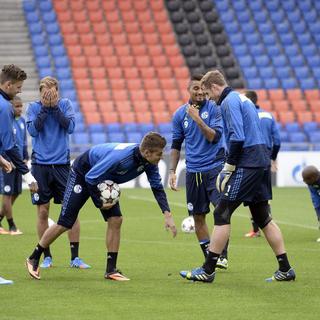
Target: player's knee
(115,222)
(199,220)
(261,214)
(221,214)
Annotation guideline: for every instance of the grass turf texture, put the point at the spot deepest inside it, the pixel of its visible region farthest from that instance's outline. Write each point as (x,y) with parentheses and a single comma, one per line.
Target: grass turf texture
(152,259)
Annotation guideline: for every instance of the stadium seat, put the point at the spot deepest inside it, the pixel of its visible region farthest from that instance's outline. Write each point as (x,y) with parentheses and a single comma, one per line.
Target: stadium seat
(286,116)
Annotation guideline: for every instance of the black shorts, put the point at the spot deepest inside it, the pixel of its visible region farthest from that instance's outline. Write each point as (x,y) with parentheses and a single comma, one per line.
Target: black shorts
(75,197)
(201,191)
(52,181)
(11,183)
(249,185)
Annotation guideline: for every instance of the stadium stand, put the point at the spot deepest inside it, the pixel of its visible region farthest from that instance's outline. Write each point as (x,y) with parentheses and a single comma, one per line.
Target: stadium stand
(128,62)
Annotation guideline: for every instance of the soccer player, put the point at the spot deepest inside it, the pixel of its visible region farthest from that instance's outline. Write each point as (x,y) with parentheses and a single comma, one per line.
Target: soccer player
(244,179)
(311,177)
(12,182)
(199,124)
(271,136)
(111,161)
(50,121)
(11,81)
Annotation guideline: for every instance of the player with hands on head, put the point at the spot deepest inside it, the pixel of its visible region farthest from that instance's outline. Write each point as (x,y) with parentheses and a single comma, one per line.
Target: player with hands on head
(199,124)
(119,163)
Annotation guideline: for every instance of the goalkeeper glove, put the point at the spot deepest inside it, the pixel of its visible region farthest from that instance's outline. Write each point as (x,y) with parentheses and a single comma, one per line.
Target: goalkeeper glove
(224,176)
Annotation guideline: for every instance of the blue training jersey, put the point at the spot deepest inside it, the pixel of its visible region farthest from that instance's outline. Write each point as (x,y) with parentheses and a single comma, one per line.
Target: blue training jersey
(6,125)
(50,129)
(242,124)
(315,194)
(270,131)
(201,155)
(119,162)
(20,134)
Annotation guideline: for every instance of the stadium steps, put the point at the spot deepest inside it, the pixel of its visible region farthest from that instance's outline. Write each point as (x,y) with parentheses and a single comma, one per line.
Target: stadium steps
(202,39)
(15,45)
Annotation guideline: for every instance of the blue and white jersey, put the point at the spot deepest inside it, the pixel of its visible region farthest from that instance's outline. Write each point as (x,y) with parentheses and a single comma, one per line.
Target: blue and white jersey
(241,124)
(50,129)
(270,131)
(201,154)
(20,134)
(6,122)
(119,162)
(315,194)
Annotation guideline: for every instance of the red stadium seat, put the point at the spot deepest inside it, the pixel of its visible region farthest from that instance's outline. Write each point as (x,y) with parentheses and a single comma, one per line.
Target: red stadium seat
(155,50)
(123,106)
(115,73)
(158,106)
(132,27)
(140,5)
(276,95)
(109,5)
(127,117)
(144,17)
(135,39)
(60,6)
(131,73)
(74,51)
(151,84)
(86,95)
(99,28)
(67,27)
(80,73)
(103,39)
(83,27)
(286,116)
(120,95)
(83,84)
(140,106)
(139,50)
(157,5)
(103,95)
(79,62)
(126,61)
(93,5)
(304,116)
(298,105)
(112,16)
(76,5)
(154,95)
(106,51)
(143,61)
(171,94)
(80,16)
(181,73)
(106,106)
(168,84)
(316,116)
(95,16)
(99,84)
(119,39)
(151,38)
(110,117)
(117,84)
(148,27)
(262,94)
(137,95)
(111,61)
(174,105)
(165,27)
(312,95)
(94,62)
(89,106)
(160,61)
(71,39)
(314,105)
(134,84)
(176,61)
(168,39)
(122,50)
(125,6)
(64,16)
(161,117)
(116,27)
(266,105)
(128,16)
(294,94)
(98,73)
(280,105)
(92,117)
(164,72)
(91,51)
(87,39)
(144,117)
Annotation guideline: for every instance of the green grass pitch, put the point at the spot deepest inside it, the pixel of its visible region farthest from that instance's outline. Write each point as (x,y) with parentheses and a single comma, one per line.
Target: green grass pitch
(152,259)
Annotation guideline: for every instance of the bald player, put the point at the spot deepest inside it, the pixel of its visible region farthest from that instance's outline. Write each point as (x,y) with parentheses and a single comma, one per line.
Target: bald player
(311,176)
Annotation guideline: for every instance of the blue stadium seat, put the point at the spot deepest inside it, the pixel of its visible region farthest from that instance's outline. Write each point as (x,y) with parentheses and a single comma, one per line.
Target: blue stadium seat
(35,28)
(130,127)
(98,138)
(288,6)
(38,40)
(314,61)
(55,39)
(283,27)
(245,61)
(52,28)
(78,116)
(271,83)
(45,6)
(134,137)
(299,27)
(228,17)
(75,105)
(279,61)
(58,51)
(316,72)
(250,72)
(286,38)
(44,72)
(66,84)
(117,137)
(277,17)
(314,27)
(292,127)
(304,5)
(269,39)
(255,83)
(49,17)
(222,5)
(260,16)
(146,127)
(248,27)
(310,127)
(273,50)
(283,72)
(257,49)
(262,61)
(265,28)
(266,72)
(61,62)
(71,94)
(252,38)
(291,50)
(236,38)
(304,38)
(315,137)
(309,50)
(80,127)
(289,83)
(165,128)
(297,137)
(293,16)
(297,61)
(256,6)
(113,127)
(32,17)
(308,83)
(272,5)
(63,73)
(43,62)
(81,138)
(41,51)
(239,5)
(231,26)
(240,50)
(29,6)
(310,15)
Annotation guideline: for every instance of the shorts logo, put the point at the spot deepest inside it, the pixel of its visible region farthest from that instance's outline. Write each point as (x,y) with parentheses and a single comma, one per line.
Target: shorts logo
(185,124)
(204,115)
(36,197)
(7,188)
(77,188)
(190,206)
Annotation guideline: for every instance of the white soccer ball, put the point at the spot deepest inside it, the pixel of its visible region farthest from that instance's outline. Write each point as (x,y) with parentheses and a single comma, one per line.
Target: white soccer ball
(187,225)
(110,191)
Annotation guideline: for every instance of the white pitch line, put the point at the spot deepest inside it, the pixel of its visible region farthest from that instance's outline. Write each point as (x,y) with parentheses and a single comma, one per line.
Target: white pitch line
(182,205)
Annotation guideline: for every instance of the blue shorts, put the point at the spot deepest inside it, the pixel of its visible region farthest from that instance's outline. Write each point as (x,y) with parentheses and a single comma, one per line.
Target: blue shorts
(75,197)
(52,181)
(11,183)
(201,191)
(249,185)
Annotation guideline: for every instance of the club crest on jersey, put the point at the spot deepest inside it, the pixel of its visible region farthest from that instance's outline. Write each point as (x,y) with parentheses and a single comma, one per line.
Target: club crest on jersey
(139,169)
(185,124)
(77,188)
(204,115)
